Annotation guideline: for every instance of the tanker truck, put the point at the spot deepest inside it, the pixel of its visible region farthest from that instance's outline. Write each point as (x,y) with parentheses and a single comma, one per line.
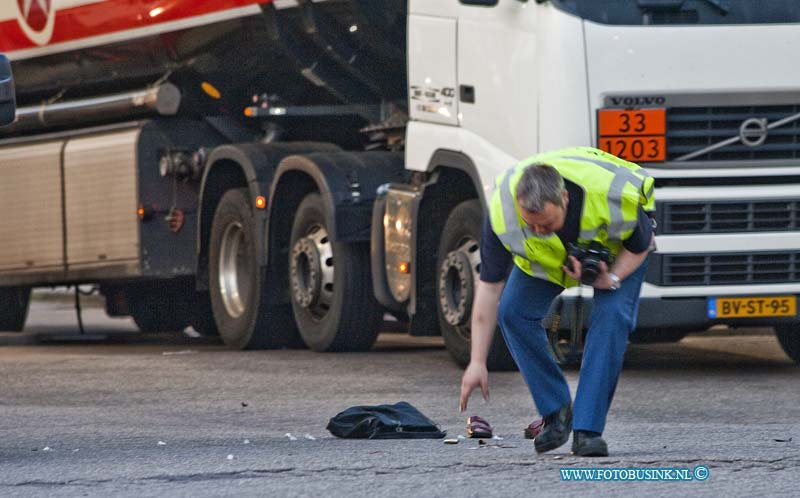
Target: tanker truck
(290,173)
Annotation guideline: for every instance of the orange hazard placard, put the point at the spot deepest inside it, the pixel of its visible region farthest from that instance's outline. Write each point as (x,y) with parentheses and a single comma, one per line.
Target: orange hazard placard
(636,149)
(634,134)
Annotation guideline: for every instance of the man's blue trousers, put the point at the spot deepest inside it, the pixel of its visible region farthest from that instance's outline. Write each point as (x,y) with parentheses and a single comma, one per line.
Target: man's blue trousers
(525,302)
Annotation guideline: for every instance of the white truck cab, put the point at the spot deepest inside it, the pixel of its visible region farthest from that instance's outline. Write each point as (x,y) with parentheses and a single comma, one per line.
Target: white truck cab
(704,94)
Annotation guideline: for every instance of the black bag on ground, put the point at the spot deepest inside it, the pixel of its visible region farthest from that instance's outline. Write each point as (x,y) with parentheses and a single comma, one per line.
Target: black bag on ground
(398,421)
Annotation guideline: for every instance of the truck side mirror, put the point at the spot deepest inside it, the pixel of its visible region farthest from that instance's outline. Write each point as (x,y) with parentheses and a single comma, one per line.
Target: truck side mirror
(8,104)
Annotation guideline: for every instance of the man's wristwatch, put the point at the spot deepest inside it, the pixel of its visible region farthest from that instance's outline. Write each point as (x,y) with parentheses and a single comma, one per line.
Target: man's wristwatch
(615,281)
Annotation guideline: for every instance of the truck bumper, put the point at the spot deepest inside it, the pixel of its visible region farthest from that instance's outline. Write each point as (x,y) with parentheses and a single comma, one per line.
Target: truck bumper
(689,313)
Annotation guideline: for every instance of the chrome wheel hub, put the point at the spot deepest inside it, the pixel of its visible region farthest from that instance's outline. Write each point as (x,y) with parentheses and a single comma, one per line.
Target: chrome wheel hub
(457,277)
(311,272)
(234,270)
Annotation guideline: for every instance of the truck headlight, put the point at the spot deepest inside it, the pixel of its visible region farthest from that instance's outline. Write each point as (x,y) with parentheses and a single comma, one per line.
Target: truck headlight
(397,222)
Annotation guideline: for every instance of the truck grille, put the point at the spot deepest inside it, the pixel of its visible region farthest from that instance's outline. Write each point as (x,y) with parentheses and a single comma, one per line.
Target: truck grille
(729,216)
(729,268)
(693,128)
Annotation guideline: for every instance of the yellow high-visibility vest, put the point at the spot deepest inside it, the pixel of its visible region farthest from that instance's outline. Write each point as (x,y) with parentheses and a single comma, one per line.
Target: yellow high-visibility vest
(613,191)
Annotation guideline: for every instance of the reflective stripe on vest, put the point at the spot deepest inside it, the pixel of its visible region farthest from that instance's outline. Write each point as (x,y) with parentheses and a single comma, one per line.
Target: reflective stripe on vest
(622,176)
(514,236)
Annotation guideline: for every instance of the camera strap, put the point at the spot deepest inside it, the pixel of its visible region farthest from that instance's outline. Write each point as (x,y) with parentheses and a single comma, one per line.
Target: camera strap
(576,331)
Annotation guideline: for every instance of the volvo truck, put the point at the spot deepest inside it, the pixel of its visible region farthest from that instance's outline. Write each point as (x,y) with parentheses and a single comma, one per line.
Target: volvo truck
(292,173)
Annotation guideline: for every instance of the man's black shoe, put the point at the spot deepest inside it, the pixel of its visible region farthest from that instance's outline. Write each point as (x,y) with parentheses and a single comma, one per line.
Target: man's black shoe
(557,427)
(588,444)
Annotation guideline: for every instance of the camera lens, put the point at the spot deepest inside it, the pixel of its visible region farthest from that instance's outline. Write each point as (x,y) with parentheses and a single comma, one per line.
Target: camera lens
(590,270)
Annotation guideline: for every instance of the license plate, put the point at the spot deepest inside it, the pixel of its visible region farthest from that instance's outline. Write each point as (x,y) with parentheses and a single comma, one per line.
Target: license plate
(634,134)
(746,307)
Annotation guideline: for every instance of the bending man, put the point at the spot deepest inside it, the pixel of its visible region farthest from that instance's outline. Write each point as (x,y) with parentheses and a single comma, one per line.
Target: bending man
(539,208)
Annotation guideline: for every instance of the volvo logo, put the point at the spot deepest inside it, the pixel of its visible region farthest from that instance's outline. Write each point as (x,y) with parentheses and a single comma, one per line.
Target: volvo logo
(645,101)
(753,132)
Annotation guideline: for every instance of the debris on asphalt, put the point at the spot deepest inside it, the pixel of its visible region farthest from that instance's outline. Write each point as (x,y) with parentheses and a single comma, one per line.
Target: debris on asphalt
(783,440)
(244,405)
(46,448)
(230,457)
(478,427)
(182,352)
(162,443)
(534,428)
(310,437)
(497,438)
(190,332)
(451,441)
(291,438)
(246,441)
(76,450)
(482,445)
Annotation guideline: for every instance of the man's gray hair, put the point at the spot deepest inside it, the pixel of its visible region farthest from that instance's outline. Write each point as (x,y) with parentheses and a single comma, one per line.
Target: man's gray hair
(540,183)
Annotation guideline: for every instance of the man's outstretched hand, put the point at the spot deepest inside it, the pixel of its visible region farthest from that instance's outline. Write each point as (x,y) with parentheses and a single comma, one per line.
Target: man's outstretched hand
(475,375)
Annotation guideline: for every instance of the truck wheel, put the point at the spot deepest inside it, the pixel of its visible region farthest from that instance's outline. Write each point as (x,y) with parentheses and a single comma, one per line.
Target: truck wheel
(789,338)
(565,354)
(14,303)
(236,281)
(459,262)
(330,285)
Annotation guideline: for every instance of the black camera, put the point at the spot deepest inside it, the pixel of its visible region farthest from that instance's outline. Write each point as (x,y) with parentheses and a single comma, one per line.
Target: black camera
(590,255)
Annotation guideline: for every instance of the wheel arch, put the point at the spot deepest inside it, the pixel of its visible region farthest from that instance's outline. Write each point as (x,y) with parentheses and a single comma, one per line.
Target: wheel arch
(248,165)
(229,166)
(454,179)
(288,190)
(347,183)
(457,162)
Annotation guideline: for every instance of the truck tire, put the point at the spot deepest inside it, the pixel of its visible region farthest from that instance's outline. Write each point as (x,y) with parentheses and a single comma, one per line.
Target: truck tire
(566,347)
(789,338)
(14,303)
(459,269)
(330,284)
(235,280)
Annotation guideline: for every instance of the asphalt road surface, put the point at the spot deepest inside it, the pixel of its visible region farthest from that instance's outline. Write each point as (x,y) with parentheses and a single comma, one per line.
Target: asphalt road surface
(117,413)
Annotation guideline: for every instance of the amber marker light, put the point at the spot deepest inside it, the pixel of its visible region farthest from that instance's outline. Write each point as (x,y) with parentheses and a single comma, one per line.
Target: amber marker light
(248,111)
(261,202)
(145,213)
(210,90)
(403,267)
